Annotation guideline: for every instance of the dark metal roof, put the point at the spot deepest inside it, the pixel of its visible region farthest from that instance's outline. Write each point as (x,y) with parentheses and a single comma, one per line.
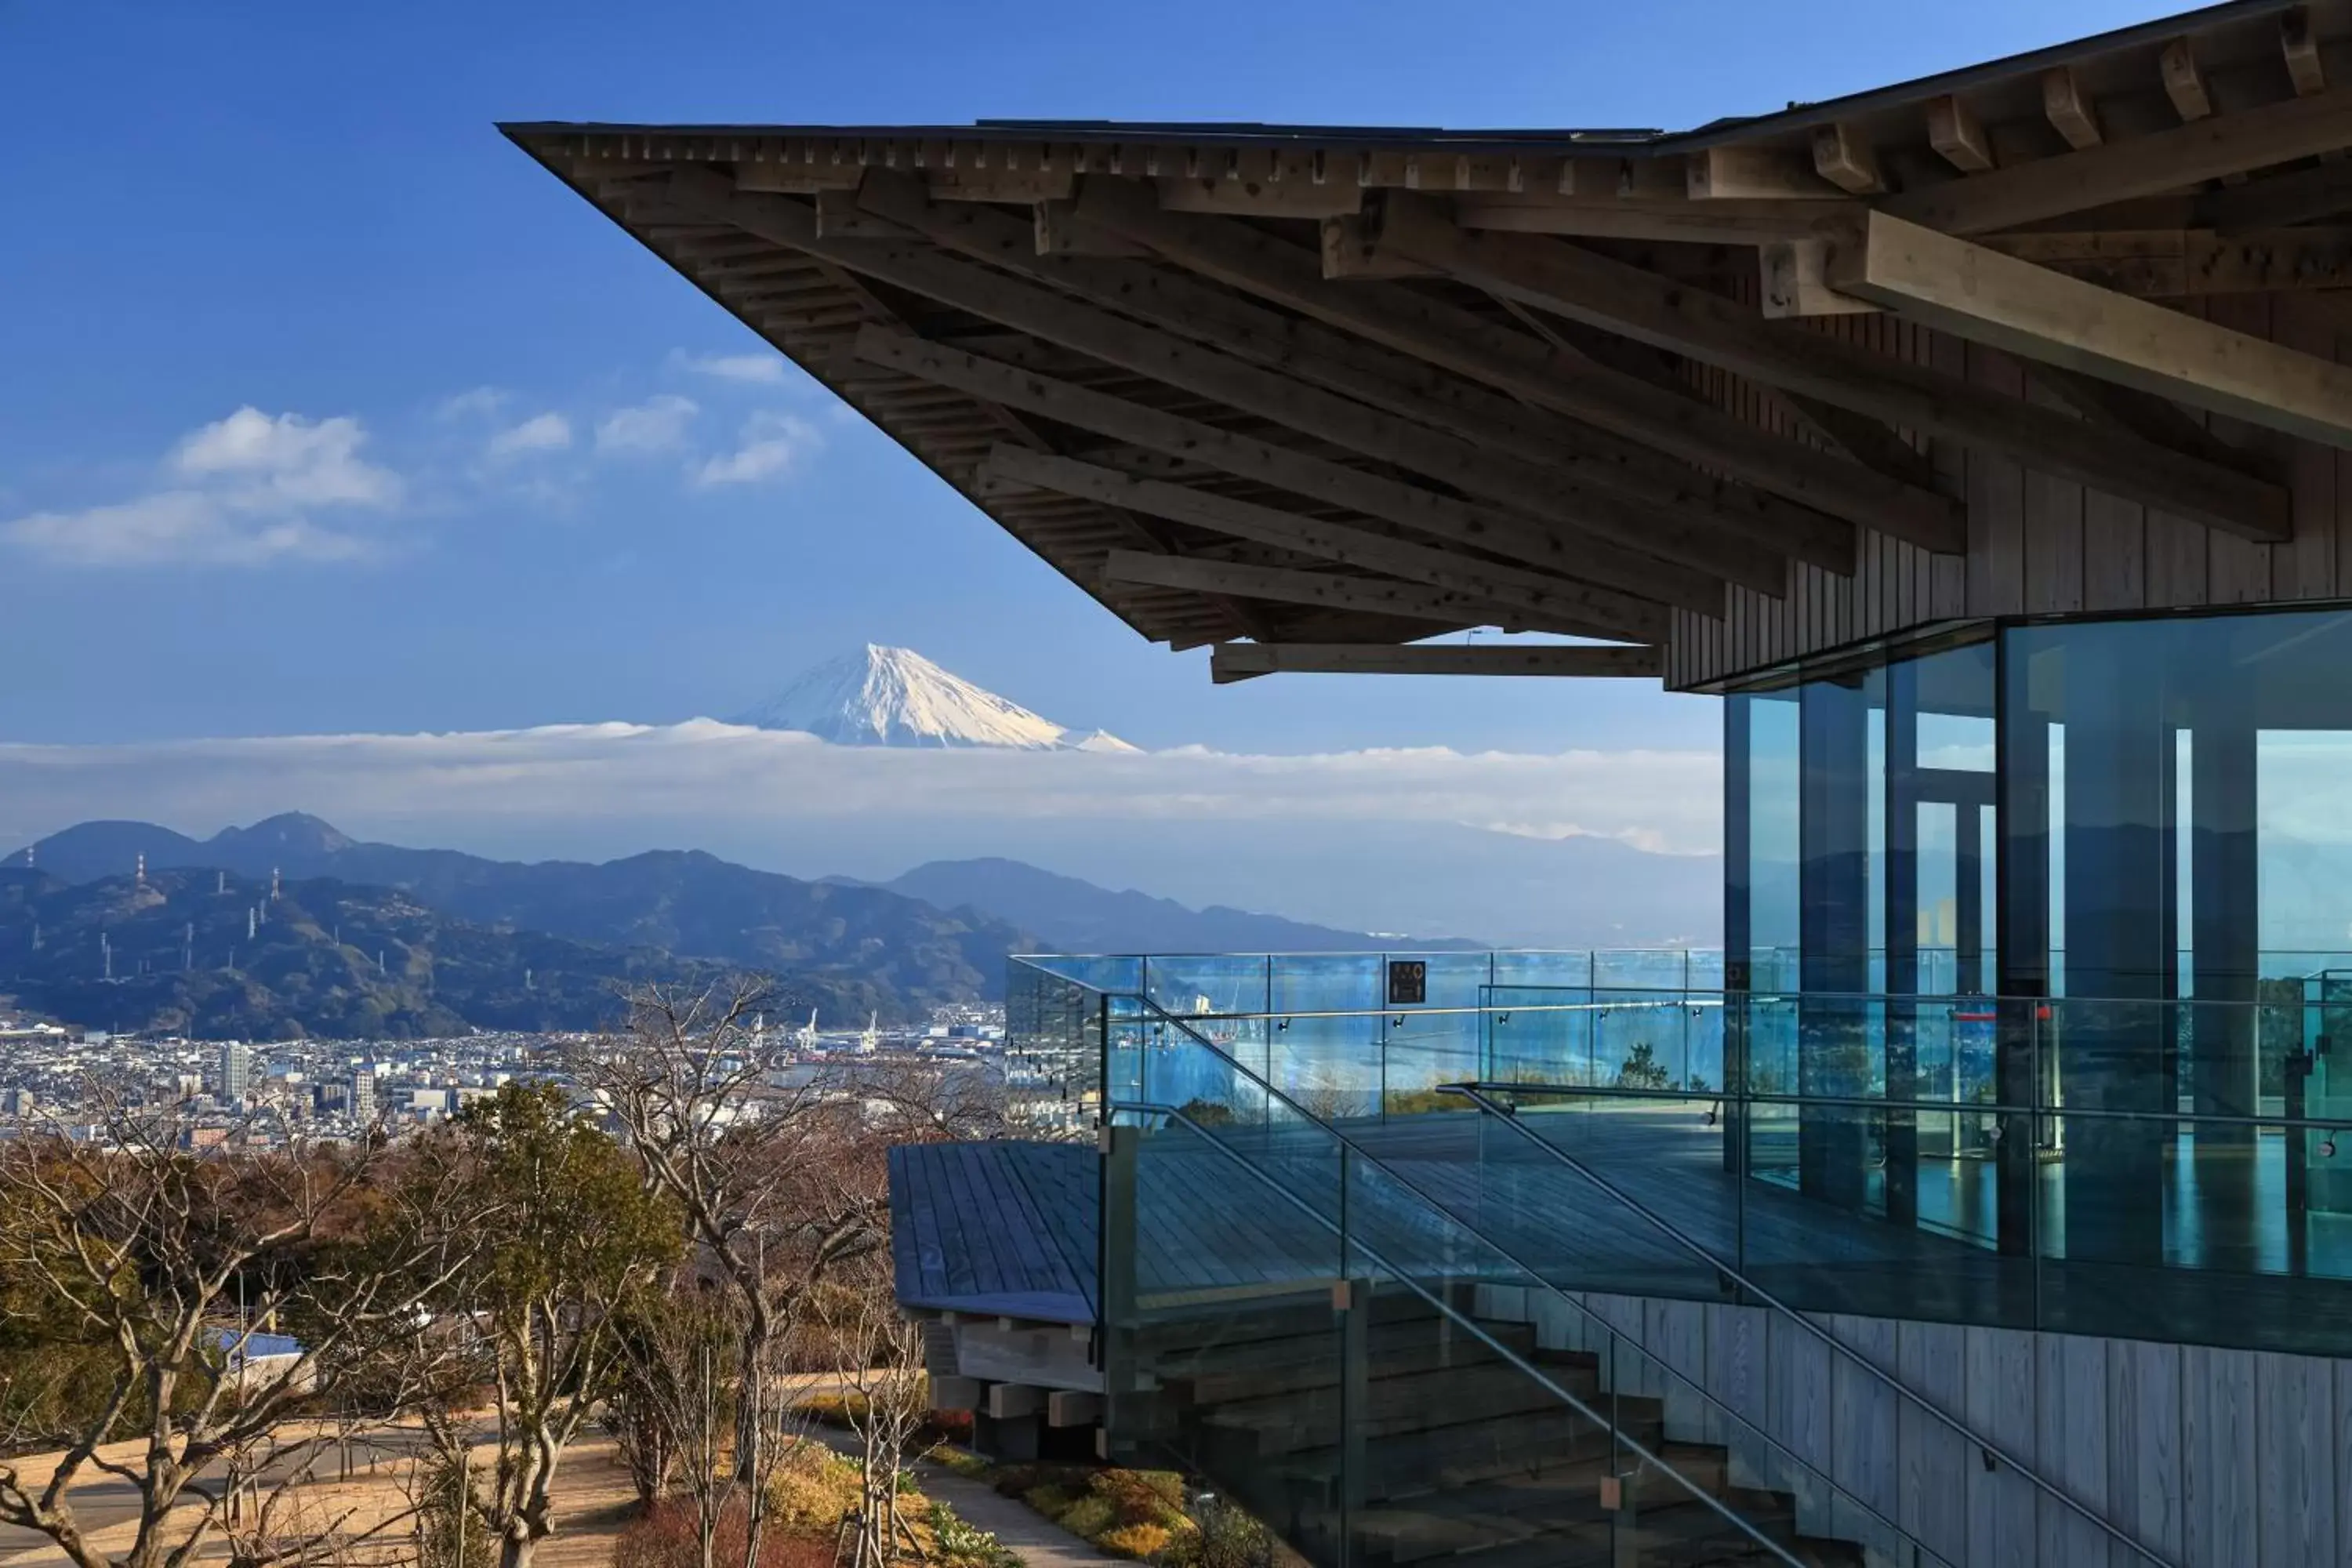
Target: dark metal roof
(1003,1229)
(1623,141)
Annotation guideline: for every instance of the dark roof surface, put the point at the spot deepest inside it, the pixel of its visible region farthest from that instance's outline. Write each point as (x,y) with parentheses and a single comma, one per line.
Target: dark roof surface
(1003,1228)
(1797,117)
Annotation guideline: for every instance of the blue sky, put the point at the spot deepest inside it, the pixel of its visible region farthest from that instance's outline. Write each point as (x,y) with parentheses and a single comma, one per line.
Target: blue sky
(502,468)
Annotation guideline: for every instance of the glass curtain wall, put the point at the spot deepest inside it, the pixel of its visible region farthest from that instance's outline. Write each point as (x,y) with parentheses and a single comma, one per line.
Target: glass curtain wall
(2096,822)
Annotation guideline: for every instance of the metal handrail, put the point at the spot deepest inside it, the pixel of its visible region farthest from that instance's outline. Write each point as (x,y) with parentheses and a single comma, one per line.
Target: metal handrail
(1874,1103)
(1361,1153)
(1508,1354)
(1507,1116)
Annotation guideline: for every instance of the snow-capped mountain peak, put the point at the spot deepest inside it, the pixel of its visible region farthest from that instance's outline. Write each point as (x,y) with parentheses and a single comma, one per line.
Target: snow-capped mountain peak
(880,696)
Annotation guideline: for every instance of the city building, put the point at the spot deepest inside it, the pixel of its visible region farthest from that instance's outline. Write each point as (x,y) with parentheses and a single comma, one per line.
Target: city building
(361,1097)
(1979,440)
(236,1070)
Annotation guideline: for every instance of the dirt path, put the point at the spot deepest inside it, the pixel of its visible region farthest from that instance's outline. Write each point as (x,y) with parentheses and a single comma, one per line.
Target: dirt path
(592,1498)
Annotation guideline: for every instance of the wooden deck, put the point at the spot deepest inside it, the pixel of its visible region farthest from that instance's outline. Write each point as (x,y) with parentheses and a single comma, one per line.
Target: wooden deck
(1010,1228)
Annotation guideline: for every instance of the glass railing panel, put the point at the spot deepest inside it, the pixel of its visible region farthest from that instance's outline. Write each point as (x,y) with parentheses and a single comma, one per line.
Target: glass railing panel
(1328,982)
(1641,969)
(1224,1356)
(1641,1039)
(1539,1033)
(1052,1051)
(1474,1407)
(1195,985)
(1571,969)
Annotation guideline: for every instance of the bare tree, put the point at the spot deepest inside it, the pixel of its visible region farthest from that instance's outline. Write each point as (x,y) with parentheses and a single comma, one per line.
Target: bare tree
(680,1389)
(538,1314)
(231,1317)
(879,1360)
(778,1166)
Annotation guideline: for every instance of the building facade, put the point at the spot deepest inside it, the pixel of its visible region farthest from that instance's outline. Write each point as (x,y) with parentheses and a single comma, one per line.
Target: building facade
(1979,440)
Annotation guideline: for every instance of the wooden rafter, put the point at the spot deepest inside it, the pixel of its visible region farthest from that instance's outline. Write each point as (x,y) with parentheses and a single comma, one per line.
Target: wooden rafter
(1424,511)
(1736,517)
(2015,305)
(2146,165)
(1240,661)
(1325,590)
(1592,288)
(1456,341)
(1562,605)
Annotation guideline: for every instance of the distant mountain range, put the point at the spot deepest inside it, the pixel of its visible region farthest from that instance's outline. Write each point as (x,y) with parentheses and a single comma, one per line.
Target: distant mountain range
(1072,916)
(895,697)
(378,939)
(215,956)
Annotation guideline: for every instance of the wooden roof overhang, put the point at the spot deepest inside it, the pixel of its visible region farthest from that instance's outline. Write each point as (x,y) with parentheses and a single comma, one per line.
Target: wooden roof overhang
(1313,394)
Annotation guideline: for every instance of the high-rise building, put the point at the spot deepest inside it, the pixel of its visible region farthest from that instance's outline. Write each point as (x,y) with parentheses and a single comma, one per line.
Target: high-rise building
(363,1100)
(236,1069)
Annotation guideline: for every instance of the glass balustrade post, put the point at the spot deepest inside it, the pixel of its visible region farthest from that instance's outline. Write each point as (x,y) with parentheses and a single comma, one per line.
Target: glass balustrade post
(1351,1296)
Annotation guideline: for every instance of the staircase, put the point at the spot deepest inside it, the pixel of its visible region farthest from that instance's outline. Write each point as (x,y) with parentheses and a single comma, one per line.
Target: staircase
(1287,1322)
(1449,1454)
(1343,1344)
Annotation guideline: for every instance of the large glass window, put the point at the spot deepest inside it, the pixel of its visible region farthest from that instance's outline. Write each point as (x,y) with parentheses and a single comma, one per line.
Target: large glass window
(2088,884)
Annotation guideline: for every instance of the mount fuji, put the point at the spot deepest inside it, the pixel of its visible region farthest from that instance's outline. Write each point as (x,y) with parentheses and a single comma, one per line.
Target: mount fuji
(895,697)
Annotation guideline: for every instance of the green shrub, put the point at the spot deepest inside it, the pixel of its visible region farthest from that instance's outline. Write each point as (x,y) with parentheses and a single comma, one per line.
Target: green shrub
(1050,1500)
(1089,1516)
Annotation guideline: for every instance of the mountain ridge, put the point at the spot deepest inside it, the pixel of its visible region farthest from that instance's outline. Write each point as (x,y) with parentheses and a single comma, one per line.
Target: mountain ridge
(1073,915)
(882,696)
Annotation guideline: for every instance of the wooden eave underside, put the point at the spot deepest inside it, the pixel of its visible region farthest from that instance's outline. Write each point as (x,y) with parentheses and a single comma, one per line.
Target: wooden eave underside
(1295,369)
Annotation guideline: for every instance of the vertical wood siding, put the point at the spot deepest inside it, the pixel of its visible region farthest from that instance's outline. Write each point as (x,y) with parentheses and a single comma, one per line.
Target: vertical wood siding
(2037,544)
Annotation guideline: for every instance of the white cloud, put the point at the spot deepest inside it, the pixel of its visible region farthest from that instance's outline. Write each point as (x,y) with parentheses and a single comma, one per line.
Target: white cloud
(477,402)
(238,493)
(772,444)
(540,433)
(287,459)
(706,770)
(657,424)
(188,527)
(766,369)
(1394,840)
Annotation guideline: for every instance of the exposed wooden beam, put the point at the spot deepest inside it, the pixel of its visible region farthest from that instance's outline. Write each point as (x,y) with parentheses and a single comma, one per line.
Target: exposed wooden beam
(2184,84)
(1732,514)
(2068,109)
(1454,339)
(1425,512)
(701,187)
(1719,222)
(1625,299)
(1793,278)
(1250,198)
(1230,662)
(2281,200)
(1752,173)
(1565,605)
(1325,590)
(1843,156)
(2300,46)
(1053,318)
(2150,417)
(1347,254)
(1057,231)
(1956,135)
(2137,166)
(2178,263)
(1629,544)
(2030,310)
